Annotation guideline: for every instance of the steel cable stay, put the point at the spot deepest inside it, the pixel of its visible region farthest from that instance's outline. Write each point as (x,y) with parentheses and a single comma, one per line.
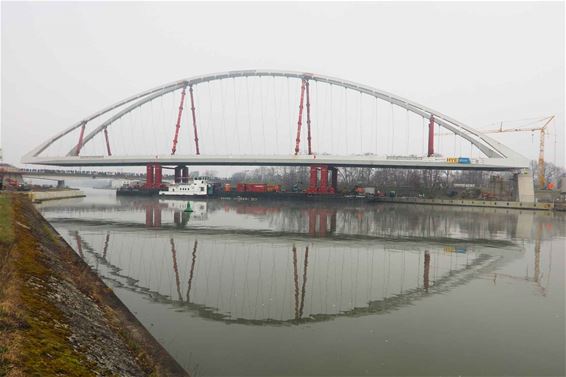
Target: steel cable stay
(376,127)
(289,115)
(318,118)
(423,135)
(262,115)
(236,107)
(392,129)
(223,110)
(360,124)
(212,130)
(331,119)
(345,124)
(275,119)
(407,130)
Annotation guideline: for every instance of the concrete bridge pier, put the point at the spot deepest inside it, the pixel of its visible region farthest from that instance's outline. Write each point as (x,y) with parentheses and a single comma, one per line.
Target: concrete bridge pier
(61,183)
(524,186)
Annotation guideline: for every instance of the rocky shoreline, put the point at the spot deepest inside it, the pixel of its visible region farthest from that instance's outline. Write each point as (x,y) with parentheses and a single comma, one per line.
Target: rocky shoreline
(57,317)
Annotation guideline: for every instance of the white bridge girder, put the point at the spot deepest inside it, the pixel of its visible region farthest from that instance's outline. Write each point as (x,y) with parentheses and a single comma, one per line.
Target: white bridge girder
(283,160)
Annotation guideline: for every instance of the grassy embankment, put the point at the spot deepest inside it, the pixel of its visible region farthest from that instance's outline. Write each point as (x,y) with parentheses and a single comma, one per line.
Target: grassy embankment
(34,337)
(57,317)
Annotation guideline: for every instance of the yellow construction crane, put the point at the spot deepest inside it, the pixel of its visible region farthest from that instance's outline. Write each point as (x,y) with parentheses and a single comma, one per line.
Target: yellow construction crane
(542,129)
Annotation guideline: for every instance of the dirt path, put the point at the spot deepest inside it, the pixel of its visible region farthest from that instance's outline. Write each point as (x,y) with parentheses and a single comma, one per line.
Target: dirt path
(57,318)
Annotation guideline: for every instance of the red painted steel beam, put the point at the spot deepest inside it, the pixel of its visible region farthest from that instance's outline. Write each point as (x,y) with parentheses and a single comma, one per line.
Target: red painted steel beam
(149,176)
(313,181)
(300,122)
(107,142)
(431,136)
(178,125)
(158,176)
(194,119)
(308,117)
(81,136)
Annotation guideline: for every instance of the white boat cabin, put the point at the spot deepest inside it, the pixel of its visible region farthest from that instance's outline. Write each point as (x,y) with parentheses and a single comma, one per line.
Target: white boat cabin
(198,186)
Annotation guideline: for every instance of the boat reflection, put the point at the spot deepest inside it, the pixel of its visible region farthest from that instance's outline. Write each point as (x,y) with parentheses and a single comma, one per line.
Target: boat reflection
(328,220)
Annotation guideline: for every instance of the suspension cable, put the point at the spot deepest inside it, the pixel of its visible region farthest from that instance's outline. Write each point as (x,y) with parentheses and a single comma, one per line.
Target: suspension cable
(212,133)
(423,136)
(223,107)
(345,125)
(392,128)
(331,120)
(262,117)
(236,114)
(407,146)
(360,122)
(275,119)
(249,112)
(376,125)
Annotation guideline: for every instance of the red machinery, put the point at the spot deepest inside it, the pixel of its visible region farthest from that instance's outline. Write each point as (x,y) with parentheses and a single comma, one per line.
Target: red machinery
(257,187)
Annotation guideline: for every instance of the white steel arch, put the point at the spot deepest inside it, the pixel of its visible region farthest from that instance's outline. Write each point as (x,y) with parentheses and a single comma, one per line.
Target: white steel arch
(491,148)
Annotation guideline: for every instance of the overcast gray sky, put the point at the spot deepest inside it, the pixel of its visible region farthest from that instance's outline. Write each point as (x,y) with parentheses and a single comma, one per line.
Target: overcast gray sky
(477,62)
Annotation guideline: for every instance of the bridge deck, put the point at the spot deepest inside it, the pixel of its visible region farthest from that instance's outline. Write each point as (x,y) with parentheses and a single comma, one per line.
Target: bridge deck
(401,162)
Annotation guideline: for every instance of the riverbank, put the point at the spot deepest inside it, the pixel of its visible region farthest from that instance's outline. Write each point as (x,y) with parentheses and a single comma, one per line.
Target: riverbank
(41,196)
(468,203)
(56,316)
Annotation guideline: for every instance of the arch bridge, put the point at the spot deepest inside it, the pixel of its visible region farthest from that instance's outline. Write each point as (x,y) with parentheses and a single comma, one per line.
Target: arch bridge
(272,118)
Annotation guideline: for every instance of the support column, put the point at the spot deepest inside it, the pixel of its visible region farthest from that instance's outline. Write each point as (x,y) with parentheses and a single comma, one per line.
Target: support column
(323,179)
(300,121)
(322,186)
(178,171)
(313,181)
(197,149)
(178,125)
(334,186)
(149,176)
(107,142)
(431,136)
(158,176)
(185,174)
(524,187)
(80,142)
(308,118)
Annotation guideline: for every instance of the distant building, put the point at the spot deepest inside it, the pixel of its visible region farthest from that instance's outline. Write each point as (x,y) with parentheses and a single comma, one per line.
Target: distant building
(10,177)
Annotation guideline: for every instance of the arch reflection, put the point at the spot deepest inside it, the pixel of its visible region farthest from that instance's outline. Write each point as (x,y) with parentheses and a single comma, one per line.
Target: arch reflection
(258,282)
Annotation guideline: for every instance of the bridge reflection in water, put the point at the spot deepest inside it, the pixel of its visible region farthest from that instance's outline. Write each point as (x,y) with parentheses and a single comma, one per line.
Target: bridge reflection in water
(289,276)
(262,281)
(353,261)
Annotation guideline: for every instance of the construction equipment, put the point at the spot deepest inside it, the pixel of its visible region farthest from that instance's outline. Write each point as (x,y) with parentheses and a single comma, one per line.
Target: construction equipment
(547,120)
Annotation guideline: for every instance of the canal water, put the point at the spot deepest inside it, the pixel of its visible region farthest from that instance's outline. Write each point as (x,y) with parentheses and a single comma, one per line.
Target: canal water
(256,288)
